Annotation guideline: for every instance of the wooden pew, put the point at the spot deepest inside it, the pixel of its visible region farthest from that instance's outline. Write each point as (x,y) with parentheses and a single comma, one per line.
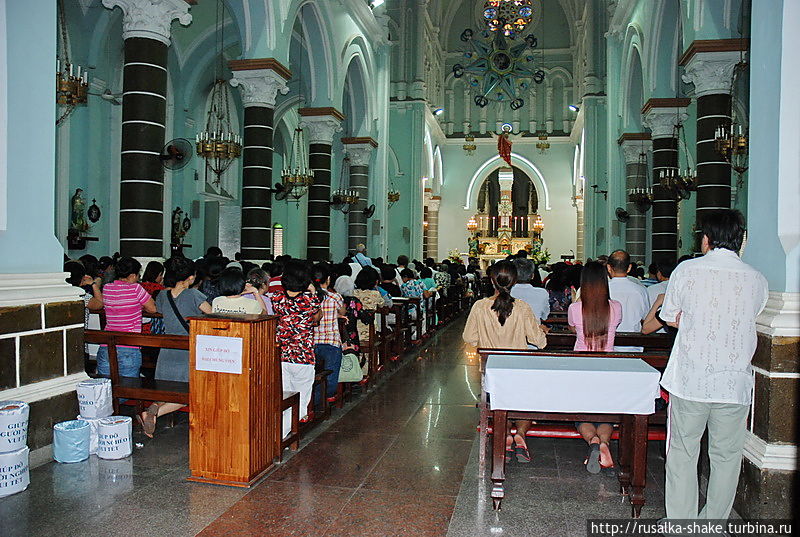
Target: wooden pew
(559,341)
(414,322)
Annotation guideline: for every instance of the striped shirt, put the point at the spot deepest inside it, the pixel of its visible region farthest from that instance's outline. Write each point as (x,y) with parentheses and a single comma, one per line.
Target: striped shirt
(123,303)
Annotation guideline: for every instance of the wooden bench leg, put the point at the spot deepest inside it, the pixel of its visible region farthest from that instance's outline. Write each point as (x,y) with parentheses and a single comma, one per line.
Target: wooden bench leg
(498,457)
(295,425)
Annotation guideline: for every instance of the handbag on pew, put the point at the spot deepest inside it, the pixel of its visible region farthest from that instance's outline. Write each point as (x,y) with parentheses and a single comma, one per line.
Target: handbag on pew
(350,370)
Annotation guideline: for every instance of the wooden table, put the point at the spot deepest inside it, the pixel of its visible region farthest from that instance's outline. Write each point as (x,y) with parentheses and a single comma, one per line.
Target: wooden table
(562,389)
(632,460)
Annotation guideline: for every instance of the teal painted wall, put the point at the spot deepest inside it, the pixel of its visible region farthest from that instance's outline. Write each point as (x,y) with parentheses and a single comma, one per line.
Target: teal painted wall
(28,241)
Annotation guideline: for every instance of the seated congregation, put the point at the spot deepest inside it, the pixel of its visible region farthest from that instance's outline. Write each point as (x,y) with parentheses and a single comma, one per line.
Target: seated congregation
(362,312)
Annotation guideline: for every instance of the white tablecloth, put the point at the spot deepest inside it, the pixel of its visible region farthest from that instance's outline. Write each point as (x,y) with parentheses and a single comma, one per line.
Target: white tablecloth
(571,384)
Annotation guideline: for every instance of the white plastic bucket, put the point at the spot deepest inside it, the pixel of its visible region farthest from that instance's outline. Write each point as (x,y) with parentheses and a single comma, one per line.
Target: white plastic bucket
(14,474)
(114,438)
(13,425)
(71,441)
(94,431)
(94,398)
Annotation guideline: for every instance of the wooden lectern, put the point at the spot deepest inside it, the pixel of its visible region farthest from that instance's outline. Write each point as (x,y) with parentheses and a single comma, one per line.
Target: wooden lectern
(235,394)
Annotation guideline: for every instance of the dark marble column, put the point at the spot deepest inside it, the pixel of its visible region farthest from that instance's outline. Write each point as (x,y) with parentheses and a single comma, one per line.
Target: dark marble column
(633,145)
(146,30)
(709,66)
(259,80)
(661,115)
(320,124)
(359,151)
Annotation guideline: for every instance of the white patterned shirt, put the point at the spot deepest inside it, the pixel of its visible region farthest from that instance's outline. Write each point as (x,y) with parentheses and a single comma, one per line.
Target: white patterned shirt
(718,297)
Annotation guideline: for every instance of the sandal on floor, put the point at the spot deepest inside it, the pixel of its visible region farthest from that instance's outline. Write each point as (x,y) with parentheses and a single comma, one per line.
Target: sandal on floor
(592,461)
(522,453)
(147,420)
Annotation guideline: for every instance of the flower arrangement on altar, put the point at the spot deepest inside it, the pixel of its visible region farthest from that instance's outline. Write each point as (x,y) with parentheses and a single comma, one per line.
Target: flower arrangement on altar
(539,255)
(454,255)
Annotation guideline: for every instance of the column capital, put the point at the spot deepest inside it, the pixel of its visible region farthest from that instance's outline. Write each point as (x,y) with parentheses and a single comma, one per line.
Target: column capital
(150,19)
(632,145)
(661,116)
(710,72)
(259,81)
(359,150)
(322,124)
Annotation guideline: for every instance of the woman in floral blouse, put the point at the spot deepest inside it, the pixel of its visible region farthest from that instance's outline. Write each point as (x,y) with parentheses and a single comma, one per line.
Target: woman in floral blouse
(299,309)
(371,299)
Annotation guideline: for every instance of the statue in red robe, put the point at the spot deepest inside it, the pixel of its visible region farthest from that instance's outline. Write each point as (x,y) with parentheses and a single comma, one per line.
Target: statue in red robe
(504,147)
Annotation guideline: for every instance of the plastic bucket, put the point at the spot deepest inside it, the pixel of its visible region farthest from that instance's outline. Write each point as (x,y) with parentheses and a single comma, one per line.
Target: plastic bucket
(94,398)
(13,425)
(71,441)
(94,431)
(114,437)
(14,474)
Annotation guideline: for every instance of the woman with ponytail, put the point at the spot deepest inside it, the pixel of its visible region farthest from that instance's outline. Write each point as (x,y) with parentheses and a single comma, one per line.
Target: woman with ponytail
(594,320)
(504,323)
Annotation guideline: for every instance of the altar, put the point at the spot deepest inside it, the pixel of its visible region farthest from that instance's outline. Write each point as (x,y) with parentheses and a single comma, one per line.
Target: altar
(493,238)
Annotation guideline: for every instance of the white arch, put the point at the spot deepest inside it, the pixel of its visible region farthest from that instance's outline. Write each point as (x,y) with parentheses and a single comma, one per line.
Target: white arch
(437,170)
(518,160)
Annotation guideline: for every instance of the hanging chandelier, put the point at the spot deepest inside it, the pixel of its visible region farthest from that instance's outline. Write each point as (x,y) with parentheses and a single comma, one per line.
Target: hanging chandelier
(392,196)
(642,197)
(472,225)
(296,176)
(680,181)
(218,144)
(343,199)
(72,81)
(538,225)
(469,144)
(508,17)
(542,145)
(731,140)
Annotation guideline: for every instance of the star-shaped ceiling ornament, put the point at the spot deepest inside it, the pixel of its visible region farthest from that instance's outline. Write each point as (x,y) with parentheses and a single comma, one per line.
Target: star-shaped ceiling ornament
(500,69)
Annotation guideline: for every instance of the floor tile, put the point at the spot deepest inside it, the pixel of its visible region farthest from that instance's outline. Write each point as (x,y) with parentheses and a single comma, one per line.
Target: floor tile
(393,514)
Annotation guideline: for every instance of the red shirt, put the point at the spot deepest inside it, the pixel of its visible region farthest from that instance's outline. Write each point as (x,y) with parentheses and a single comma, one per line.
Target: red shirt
(275,285)
(295,330)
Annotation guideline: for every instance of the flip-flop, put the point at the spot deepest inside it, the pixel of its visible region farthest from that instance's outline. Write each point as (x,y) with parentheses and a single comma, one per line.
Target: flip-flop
(522,453)
(593,459)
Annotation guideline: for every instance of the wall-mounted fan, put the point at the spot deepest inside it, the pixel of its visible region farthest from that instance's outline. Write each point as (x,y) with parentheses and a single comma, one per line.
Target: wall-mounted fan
(176,154)
(622,215)
(279,191)
(369,211)
(109,96)
(682,193)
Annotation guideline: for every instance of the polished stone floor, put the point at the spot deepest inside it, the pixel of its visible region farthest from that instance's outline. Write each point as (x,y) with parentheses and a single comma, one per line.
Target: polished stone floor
(401,460)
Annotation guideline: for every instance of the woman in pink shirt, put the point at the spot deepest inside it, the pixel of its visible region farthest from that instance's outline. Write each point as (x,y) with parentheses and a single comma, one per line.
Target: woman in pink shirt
(594,320)
(123,301)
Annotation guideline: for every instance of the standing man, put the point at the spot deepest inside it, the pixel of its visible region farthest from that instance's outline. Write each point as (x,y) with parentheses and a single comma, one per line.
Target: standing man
(713,301)
(630,293)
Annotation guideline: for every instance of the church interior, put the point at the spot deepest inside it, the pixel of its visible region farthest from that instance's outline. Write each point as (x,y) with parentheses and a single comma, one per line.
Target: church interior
(438,136)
